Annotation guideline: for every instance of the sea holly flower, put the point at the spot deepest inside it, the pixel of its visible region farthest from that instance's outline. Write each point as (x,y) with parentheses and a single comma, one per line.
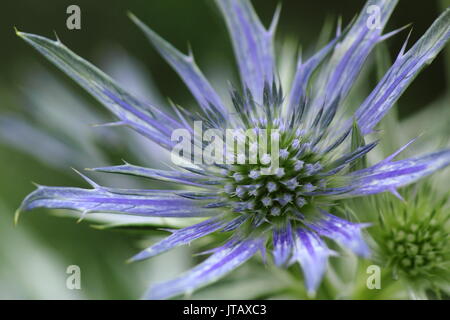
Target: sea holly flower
(321,150)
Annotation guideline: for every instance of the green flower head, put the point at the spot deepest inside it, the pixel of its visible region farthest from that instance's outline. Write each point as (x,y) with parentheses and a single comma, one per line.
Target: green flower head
(413,237)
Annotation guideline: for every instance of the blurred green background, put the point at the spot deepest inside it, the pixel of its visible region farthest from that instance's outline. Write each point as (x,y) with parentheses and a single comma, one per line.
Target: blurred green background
(35,254)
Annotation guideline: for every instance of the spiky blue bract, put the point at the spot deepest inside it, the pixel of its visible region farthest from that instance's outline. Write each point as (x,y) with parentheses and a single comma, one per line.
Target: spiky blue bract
(322,151)
(223,260)
(182,236)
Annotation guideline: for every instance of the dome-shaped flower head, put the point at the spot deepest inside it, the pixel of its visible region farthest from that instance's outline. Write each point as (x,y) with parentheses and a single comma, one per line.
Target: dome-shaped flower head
(271,196)
(412,237)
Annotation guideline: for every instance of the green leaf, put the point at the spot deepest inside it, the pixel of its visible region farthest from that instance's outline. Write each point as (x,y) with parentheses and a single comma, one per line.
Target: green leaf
(356,142)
